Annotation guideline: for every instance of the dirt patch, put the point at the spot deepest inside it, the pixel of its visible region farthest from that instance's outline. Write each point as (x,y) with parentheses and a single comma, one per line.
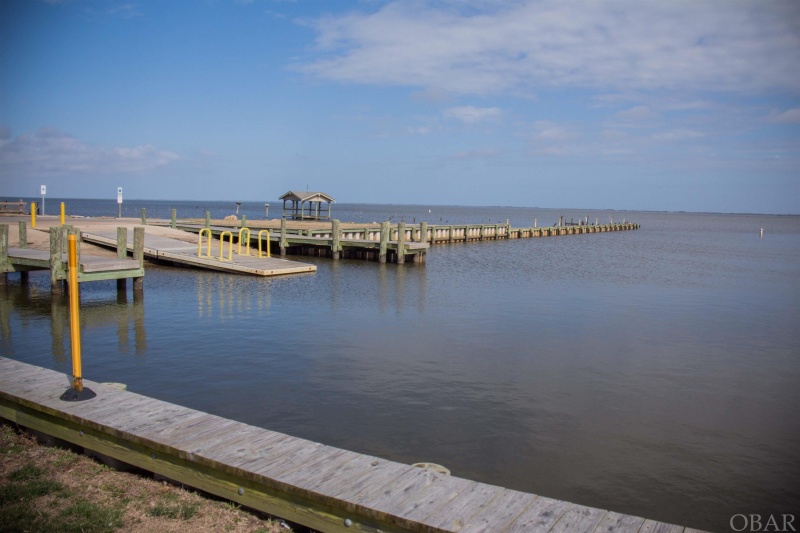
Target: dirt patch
(45,489)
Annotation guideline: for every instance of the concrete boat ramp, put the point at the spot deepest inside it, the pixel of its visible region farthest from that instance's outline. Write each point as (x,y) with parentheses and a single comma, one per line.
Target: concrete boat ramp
(166,244)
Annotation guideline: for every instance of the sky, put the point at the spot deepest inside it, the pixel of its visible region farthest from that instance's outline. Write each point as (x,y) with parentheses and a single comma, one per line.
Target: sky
(676,105)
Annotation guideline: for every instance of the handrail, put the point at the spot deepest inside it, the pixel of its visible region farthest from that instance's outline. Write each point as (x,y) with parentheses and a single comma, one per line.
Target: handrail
(200,242)
(259,242)
(230,245)
(247,248)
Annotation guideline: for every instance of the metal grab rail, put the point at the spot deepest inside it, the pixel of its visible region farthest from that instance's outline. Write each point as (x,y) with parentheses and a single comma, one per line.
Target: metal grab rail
(230,246)
(247,248)
(259,242)
(200,242)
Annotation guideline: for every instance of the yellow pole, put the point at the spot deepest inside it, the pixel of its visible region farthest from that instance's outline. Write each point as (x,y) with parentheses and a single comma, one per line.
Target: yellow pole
(62,213)
(74,315)
(33,215)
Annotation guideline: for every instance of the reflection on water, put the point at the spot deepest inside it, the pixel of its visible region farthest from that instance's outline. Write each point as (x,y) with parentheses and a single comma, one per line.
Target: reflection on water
(652,372)
(32,301)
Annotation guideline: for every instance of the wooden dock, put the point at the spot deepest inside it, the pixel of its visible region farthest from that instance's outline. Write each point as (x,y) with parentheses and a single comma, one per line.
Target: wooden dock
(384,243)
(319,486)
(23,259)
(159,246)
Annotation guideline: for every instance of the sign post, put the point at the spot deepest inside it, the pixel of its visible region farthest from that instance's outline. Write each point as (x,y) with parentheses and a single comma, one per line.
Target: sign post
(119,202)
(44,191)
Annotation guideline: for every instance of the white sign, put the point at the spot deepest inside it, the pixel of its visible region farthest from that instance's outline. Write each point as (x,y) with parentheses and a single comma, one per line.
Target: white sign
(44,190)
(119,195)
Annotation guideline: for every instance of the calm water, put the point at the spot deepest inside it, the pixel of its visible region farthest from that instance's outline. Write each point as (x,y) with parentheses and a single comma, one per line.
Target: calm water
(652,372)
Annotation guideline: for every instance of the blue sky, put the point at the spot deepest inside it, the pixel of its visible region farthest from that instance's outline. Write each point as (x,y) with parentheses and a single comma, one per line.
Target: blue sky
(622,105)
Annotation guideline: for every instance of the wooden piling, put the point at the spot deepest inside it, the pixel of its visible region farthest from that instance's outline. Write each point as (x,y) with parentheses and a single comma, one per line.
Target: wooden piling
(208,219)
(3,252)
(336,235)
(56,260)
(138,255)
(401,242)
(173,219)
(423,232)
(384,242)
(244,221)
(144,216)
(282,242)
(122,253)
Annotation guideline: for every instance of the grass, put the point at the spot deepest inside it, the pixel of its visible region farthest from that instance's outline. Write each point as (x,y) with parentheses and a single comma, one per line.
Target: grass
(45,489)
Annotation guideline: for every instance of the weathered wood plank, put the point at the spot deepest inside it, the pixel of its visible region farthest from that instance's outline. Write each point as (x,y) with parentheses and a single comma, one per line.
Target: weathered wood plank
(652,526)
(467,504)
(499,513)
(619,523)
(541,515)
(578,518)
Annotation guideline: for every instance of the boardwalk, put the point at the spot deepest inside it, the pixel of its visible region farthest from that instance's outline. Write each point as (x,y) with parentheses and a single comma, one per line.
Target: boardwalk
(322,487)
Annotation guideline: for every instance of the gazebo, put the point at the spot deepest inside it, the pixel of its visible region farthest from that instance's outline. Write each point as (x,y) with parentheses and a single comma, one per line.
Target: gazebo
(305,205)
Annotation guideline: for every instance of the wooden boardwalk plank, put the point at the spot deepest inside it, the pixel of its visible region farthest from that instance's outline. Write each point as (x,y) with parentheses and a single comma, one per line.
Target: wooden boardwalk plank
(578,518)
(652,526)
(499,513)
(619,523)
(541,515)
(467,504)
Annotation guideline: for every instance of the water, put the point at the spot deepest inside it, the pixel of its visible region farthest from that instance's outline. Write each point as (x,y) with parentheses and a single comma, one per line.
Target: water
(652,372)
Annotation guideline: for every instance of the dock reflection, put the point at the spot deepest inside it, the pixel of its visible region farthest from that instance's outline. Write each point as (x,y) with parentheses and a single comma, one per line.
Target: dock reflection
(32,302)
(228,297)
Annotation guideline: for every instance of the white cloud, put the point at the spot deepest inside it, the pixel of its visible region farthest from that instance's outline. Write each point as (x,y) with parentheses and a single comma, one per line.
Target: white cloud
(51,152)
(627,45)
(790,116)
(471,115)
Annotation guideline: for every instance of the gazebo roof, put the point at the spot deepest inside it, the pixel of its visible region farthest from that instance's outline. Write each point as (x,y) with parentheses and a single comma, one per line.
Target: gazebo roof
(307,196)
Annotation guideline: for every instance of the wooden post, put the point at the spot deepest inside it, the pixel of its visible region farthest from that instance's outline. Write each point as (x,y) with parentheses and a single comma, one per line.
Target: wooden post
(4,262)
(335,236)
(208,219)
(122,253)
(144,216)
(384,242)
(244,221)
(401,242)
(57,272)
(173,222)
(138,254)
(282,242)
(23,234)
(423,232)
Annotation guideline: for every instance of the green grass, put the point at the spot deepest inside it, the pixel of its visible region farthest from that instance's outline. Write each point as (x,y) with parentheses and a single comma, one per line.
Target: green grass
(182,511)
(87,517)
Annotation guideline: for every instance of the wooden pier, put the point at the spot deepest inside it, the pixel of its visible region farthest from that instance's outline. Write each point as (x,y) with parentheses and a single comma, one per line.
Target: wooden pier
(319,486)
(161,247)
(23,259)
(384,243)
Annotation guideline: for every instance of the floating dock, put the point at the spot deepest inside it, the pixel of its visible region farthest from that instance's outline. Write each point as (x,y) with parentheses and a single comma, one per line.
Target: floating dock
(322,487)
(160,247)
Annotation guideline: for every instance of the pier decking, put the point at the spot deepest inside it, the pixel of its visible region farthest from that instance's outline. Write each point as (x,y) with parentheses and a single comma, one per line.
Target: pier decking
(159,246)
(322,487)
(90,268)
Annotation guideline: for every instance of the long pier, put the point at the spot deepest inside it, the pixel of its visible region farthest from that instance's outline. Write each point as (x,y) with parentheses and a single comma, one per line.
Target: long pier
(319,486)
(385,243)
